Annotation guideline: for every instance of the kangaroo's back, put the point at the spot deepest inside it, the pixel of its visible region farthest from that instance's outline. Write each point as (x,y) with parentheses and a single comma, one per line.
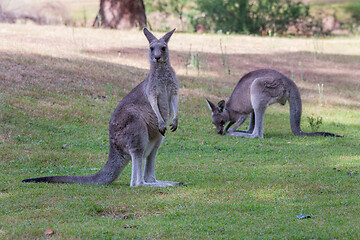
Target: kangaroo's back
(240,99)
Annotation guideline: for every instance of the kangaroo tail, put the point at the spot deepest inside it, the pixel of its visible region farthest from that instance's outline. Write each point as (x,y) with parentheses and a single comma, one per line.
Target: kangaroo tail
(63,179)
(107,175)
(295,114)
(324,134)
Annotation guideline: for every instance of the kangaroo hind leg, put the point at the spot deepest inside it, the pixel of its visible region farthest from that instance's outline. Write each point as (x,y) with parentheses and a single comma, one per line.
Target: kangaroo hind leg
(265,91)
(258,131)
(260,99)
(147,178)
(137,177)
(149,171)
(251,123)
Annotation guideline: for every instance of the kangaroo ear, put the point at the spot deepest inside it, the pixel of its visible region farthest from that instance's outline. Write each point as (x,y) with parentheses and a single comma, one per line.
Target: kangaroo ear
(221,105)
(211,106)
(167,36)
(150,37)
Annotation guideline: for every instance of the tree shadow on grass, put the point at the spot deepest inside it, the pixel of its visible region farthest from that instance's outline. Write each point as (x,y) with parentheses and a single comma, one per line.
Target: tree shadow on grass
(338,73)
(20,72)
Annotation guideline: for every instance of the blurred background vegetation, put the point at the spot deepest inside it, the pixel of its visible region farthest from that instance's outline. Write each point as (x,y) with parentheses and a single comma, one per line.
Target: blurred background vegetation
(260,17)
(266,17)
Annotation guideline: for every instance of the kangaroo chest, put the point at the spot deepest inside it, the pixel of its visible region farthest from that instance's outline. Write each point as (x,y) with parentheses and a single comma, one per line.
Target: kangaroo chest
(163,85)
(164,100)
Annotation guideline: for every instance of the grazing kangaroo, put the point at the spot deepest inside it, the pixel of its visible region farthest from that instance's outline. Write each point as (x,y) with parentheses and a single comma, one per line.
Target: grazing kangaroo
(252,95)
(138,124)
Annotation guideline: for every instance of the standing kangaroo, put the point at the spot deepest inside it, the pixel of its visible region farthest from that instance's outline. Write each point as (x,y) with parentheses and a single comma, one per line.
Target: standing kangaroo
(138,124)
(252,95)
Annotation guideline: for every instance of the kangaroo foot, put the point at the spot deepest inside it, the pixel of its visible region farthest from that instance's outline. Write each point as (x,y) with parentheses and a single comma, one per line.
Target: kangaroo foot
(163,184)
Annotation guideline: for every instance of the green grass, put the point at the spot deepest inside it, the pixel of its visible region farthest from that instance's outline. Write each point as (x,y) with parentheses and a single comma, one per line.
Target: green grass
(55,104)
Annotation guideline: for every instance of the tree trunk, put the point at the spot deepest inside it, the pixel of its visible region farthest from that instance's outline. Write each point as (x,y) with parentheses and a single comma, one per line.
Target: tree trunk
(121,14)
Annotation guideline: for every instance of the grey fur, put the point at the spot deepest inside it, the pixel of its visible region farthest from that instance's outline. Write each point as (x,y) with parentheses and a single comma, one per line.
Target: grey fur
(252,95)
(138,124)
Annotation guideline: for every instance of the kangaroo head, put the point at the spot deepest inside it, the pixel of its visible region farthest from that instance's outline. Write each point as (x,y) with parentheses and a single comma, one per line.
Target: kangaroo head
(158,51)
(219,115)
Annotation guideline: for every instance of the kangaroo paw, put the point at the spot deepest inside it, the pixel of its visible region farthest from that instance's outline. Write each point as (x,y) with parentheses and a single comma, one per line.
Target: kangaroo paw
(162,128)
(162,131)
(174,125)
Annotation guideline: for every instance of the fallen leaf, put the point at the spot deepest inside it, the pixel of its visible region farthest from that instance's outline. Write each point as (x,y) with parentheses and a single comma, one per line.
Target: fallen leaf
(49,232)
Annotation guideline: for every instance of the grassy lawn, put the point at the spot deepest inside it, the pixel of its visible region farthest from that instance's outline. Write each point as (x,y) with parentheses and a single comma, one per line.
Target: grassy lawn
(60,85)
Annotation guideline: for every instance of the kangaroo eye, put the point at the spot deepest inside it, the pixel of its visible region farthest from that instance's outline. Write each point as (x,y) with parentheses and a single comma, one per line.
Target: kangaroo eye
(163,49)
(151,48)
